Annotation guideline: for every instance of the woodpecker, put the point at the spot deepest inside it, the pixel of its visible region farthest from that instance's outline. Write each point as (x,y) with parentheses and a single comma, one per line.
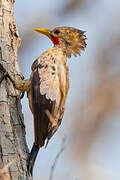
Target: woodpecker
(48,85)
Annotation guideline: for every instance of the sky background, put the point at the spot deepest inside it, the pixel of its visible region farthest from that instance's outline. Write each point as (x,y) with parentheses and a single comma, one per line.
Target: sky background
(100,18)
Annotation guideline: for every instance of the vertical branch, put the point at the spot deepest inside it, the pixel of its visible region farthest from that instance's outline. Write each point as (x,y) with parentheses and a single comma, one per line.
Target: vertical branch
(12,131)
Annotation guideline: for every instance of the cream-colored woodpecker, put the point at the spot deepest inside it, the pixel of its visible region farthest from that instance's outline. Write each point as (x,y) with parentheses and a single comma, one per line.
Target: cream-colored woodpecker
(48,85)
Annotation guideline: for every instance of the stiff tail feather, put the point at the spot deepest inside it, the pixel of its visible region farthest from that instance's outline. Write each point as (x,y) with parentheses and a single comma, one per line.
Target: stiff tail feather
(32,158)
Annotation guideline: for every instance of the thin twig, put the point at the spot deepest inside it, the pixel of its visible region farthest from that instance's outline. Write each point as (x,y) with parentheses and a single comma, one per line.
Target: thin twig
(57,157)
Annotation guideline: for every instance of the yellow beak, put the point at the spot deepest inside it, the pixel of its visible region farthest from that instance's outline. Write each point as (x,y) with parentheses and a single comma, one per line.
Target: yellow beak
(43,31)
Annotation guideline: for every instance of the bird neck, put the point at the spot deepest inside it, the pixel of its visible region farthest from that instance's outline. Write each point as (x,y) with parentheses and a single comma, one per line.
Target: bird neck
(66,48)
(57,55)
(60,50)
(63,48)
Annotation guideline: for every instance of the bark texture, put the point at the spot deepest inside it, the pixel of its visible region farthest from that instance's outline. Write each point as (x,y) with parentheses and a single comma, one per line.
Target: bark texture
(12,132)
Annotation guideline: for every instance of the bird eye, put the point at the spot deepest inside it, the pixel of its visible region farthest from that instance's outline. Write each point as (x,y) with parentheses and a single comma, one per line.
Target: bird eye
(56,31)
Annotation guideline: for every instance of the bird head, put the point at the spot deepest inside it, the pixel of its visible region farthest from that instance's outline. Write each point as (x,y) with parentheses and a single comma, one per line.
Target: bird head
(69,39)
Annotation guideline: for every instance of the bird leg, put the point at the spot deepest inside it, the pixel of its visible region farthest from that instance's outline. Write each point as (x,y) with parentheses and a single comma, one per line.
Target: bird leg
(22,85)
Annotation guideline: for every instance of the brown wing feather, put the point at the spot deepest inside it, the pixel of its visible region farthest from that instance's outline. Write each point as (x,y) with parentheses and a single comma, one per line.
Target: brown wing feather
(39,104)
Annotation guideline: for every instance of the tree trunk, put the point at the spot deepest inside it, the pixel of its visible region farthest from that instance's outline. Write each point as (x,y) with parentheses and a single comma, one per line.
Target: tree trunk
(12,132)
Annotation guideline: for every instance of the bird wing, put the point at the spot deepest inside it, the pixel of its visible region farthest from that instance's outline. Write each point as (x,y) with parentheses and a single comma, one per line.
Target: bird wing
(39,105)
(49,82)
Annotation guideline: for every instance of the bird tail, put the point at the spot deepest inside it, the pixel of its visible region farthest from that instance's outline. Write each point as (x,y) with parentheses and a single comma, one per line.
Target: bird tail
(32,158)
